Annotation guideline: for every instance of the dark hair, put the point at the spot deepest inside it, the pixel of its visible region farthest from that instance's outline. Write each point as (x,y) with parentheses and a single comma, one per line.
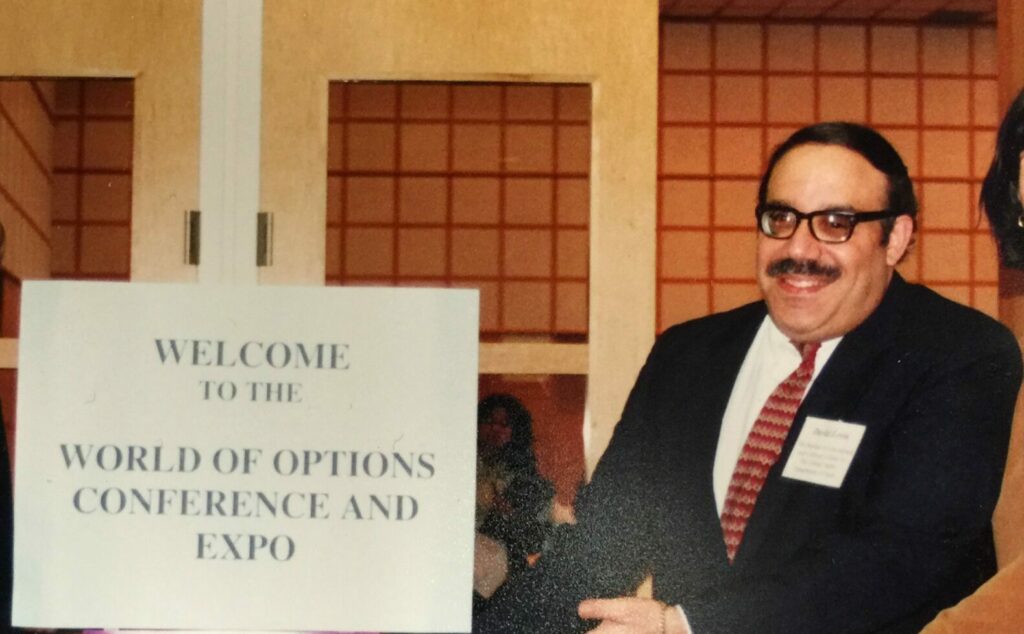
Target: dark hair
(516,416)
(864,141)
(1000,194)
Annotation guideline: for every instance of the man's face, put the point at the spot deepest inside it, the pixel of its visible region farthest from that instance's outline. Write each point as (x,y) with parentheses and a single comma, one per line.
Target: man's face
(815,303)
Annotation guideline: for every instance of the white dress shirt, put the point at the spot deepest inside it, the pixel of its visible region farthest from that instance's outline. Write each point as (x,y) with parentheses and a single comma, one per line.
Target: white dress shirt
(771,358)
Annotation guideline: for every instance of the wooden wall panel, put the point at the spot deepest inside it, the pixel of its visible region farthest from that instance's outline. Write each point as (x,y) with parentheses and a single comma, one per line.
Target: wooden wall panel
(26,165)
(731,90)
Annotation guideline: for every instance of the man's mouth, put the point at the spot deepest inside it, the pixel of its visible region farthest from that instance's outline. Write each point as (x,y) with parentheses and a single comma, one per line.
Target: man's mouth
(802,284)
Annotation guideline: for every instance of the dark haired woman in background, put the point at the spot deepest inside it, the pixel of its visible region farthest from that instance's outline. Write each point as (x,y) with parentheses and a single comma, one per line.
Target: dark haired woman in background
(997,606)
(513,500)
(1000,194)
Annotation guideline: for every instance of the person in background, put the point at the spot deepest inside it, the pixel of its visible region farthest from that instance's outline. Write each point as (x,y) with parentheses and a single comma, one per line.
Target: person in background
(1001,191)
(513,500)
(997,606)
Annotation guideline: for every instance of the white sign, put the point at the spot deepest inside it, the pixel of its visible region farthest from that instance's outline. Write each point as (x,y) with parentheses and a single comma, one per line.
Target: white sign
(823,452)
(265,458)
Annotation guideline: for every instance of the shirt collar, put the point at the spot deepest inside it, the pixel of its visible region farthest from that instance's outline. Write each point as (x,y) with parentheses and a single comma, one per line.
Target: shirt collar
(780,347)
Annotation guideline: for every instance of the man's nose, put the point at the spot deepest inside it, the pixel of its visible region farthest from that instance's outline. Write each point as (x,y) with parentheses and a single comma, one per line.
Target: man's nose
(802,245)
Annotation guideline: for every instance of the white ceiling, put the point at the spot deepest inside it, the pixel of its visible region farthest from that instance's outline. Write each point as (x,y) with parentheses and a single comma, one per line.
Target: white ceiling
(914,10)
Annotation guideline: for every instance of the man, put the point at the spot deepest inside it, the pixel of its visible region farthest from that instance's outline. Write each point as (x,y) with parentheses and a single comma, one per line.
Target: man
(900,400)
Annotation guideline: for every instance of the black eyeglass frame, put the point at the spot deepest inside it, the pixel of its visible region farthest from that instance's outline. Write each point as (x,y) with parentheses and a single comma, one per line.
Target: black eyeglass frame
(855,217)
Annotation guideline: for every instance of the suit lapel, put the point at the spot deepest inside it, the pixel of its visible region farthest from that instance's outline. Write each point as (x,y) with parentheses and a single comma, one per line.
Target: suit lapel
(702,401)
(839,386)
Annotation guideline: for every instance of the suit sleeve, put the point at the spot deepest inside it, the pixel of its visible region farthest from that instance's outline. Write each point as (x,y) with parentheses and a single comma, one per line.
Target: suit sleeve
(926,514)
(595,557)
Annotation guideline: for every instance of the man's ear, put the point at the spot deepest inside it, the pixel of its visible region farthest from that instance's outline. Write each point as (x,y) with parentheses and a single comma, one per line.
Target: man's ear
(899,239)
(1020,194)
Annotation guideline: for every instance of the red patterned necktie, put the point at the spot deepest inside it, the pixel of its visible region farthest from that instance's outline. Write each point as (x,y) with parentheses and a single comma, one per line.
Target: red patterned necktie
(762,449)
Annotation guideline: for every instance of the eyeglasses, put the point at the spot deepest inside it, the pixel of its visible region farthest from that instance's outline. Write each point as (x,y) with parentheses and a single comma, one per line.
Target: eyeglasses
(829,225)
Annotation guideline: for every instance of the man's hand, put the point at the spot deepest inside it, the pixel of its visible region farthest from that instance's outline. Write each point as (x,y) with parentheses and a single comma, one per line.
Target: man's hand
(629,615)
(490,565)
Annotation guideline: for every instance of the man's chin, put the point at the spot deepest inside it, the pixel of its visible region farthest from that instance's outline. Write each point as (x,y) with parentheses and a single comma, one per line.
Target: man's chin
(786,298)
(796,316)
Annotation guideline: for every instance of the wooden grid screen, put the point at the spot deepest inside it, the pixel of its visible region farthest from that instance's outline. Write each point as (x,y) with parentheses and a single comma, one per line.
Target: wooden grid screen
(26,148)
(730,91)
(92,179)
(465,185)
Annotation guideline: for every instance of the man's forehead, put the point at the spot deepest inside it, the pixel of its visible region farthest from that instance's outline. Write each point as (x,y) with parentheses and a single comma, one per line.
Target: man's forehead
(829,176)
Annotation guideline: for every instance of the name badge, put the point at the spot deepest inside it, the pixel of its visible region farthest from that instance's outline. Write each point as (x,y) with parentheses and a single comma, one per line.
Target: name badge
(823,452)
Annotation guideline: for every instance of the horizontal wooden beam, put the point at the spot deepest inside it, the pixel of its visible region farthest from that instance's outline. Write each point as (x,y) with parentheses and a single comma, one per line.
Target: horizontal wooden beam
(533,358)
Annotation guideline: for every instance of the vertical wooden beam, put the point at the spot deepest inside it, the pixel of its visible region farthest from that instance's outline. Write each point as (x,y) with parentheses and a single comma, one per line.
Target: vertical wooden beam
(1010,27)
(166,40)
(229,164)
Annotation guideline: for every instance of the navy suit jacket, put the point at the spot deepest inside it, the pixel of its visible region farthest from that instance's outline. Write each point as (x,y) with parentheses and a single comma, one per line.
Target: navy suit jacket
(907,534)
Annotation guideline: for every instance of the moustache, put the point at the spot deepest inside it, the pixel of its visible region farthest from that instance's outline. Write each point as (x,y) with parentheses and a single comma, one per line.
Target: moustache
(789,266)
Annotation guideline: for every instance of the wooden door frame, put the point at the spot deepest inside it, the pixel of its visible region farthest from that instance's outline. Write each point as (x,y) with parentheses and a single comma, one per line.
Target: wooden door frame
(608,44)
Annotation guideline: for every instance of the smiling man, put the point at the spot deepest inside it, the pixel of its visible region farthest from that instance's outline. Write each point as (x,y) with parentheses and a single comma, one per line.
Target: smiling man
(825,460)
